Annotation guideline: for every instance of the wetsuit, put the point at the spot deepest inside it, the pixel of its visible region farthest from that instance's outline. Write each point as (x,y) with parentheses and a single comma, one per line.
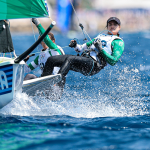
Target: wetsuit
(91,61)
(40,60)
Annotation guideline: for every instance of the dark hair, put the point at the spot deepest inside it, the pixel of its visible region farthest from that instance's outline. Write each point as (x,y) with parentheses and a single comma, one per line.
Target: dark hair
(118,34)
(51,35)
(114,19)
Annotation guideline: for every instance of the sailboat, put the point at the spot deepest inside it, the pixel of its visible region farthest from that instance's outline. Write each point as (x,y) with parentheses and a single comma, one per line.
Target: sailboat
(12,68)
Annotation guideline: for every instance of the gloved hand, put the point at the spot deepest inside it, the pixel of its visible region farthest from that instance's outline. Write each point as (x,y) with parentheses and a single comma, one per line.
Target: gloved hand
(98,44)
(73,43)
(35,21)
(27,58)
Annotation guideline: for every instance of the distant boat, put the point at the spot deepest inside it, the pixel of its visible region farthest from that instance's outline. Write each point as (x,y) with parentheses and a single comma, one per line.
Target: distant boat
(12,68)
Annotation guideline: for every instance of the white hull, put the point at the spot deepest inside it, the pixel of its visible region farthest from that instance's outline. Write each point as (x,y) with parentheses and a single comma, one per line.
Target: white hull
(11,79)
(40,84)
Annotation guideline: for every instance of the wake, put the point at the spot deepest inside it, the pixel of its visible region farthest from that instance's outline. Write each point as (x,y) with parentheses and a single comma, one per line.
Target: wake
(119,96)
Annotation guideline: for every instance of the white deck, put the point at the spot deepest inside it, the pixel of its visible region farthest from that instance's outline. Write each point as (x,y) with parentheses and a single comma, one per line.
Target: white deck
(43,83)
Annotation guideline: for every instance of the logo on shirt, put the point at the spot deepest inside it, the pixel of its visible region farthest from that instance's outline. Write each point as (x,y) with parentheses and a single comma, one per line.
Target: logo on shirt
(121,43)
(42,56)
(42,66)
(104,43)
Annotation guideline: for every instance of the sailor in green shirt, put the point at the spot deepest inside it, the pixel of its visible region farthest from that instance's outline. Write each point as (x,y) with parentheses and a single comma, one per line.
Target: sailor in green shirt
(49,49)
(95,55)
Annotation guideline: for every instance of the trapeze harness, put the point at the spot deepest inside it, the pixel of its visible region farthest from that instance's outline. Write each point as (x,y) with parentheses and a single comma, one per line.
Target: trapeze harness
(42,58)
(93,53)
(89,63)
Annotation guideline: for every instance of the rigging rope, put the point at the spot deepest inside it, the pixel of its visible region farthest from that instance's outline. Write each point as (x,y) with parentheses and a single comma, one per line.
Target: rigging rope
(81,26)
(52,49)
(51,19)
(34,34)
(84,32)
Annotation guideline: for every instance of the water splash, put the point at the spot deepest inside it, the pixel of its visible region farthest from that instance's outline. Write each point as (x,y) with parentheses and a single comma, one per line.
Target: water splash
(120,95)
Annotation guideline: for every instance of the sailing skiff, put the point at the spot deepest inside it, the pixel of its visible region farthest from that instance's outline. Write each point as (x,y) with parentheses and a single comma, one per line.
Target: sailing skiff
(12,68)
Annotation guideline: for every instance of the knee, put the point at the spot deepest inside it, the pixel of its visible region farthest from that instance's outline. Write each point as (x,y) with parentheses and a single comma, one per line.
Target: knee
(68,60)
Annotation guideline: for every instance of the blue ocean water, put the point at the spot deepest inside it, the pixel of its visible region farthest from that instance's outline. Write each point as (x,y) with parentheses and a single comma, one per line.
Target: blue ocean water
(110,110)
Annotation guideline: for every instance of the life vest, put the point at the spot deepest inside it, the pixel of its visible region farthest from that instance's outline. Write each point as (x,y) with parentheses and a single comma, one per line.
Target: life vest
(106,45)
(42,58)
(44,55)
(106,42)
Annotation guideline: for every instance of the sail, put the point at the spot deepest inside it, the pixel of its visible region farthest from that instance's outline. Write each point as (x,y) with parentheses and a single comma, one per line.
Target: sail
(6,44)
(13,9)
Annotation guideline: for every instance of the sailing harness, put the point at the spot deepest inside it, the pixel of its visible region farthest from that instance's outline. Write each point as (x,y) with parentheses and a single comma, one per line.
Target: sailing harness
(100,60)
(86,53)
